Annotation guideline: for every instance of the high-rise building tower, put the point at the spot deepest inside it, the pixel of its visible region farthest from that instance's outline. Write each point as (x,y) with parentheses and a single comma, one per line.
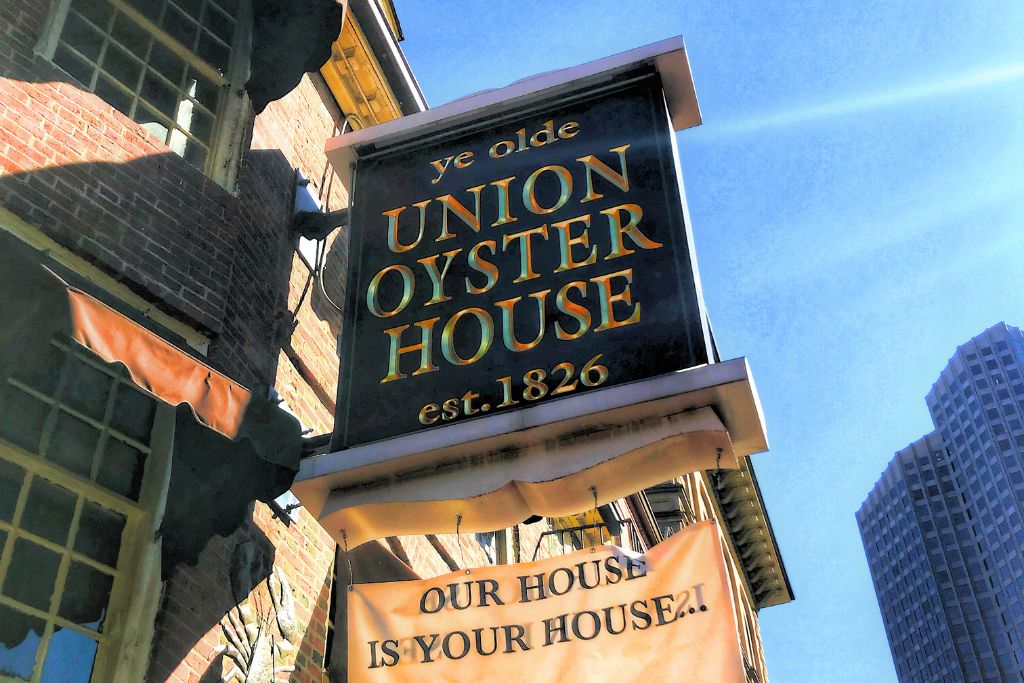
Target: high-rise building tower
(943,528)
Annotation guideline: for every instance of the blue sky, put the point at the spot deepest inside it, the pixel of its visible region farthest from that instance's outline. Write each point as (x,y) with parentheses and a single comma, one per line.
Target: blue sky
(857,196)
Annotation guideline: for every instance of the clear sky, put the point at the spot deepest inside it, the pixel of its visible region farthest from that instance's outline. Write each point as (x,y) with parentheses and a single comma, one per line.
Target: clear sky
(857,196)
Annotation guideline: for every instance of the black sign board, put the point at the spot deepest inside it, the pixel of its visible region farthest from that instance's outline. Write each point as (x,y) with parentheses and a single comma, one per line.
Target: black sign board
(539,254)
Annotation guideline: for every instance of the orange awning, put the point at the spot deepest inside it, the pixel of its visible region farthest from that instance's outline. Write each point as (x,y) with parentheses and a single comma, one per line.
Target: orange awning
(231,446)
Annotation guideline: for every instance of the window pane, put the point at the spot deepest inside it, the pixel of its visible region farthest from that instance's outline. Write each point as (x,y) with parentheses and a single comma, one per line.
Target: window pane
(70,657)
(180,26)
(86,595)
(122,468)
(151,8)
(32,573)
(44,378)
(154,127)
(80,35)
(190,7)
(133,413)
(219,23)
(114,95)
(229,6)
(72,444)
(21,418)
(79,69)
(87,389)
(205,92)
(195,154)
(130,35)
(160,95)
(201,125)
(19,639)
(214,52)
(11,477)
(48,511)
(96,11)
(123,67)
(167,63)
(99,534)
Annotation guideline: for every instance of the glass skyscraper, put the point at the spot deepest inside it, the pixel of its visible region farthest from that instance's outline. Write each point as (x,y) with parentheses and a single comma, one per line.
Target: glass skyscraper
(943,528)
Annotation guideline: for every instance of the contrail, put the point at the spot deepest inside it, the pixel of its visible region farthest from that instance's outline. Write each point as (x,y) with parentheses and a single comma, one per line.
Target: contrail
(872,101)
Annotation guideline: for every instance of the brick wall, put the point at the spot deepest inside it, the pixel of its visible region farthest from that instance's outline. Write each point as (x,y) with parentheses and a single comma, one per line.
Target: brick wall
(198,615)
(100,185)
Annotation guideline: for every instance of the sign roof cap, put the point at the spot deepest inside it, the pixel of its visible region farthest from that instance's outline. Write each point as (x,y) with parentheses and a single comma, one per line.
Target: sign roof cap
(667,56)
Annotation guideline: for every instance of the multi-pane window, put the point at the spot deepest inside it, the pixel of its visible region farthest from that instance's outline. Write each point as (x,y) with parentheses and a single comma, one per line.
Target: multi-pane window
(167,64)
(74,442)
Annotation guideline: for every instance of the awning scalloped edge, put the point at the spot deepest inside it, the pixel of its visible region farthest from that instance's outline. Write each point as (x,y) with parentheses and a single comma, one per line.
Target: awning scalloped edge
(158,366)
(544,479)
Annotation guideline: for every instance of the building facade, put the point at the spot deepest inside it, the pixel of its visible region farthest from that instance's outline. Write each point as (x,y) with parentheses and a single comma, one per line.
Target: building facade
(943,529)
(168,348)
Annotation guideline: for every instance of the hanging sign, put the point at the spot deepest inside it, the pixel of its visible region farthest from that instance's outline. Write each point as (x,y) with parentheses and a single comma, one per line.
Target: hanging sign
(606,615)
(539,254)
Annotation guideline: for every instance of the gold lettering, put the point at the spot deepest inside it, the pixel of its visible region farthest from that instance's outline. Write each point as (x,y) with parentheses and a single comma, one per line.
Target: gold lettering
(507,148)
(486,336)
(548,133)
(392,215)
(467,403)
(408,284)
(503,209)
(525,250)
(508,327)
(425,414)
(450,408)
(569,129)
(607,300)
(564,180)
(566,242)
(575,310)
(631,229)
(425,347)
(591,163)
(437,276)
(441,165)
(481,266)
(453,206)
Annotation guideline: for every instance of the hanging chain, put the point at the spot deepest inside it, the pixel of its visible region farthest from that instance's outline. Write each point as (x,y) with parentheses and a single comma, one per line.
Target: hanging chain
(458,537)
(348,560)
(718,468)
(593,491)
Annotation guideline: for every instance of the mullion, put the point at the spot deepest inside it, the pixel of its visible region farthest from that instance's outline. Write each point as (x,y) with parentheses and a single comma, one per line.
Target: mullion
(69,480)
(101,444)
(15,530)
(57,547)
(103,50)
(94,67)
(105,33)
(203,28)
(192,137)
(179,89)
(58,393)
(89,360)
(92,422)
(58,586)
(57,620)
(135,89)
(195,20)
